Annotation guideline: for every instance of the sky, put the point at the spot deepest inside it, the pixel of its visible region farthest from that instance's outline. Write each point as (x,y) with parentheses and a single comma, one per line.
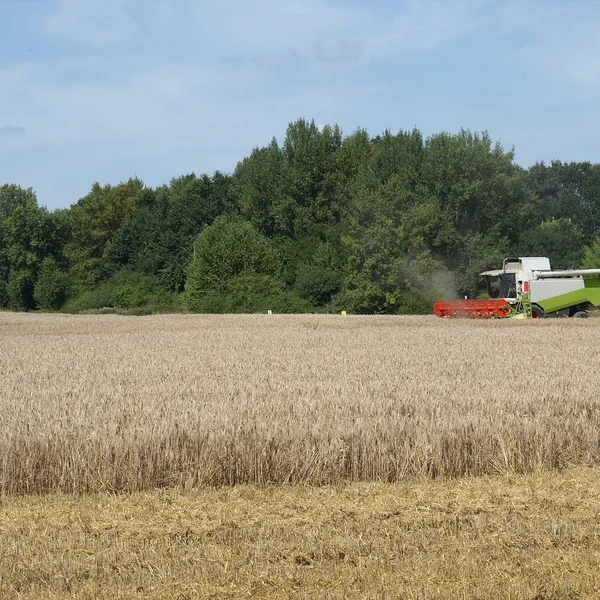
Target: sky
(105,90)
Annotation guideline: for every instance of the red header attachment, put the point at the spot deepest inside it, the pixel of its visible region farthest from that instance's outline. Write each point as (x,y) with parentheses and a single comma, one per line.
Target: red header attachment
(475,309)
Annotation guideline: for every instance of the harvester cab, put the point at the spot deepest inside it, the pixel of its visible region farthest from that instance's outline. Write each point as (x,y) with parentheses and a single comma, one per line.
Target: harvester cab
(526,287)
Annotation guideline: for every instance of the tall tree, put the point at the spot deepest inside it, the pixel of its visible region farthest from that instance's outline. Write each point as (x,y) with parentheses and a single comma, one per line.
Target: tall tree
(96,219)
(259,184)
(561,240)
(568,191)
(30,234)
(193,203)
(12,196)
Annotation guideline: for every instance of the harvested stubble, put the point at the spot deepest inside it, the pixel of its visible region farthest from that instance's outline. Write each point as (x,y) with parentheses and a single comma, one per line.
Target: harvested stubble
(524,537)
(109,403)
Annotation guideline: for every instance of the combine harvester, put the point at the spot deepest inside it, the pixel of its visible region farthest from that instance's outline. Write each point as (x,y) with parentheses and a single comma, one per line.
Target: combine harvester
(526,287)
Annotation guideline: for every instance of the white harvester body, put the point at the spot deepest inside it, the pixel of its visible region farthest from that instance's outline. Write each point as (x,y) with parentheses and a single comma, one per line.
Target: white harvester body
(529,280)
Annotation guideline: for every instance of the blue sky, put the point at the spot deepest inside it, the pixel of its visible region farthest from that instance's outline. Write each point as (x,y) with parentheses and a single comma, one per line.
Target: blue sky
(103,90)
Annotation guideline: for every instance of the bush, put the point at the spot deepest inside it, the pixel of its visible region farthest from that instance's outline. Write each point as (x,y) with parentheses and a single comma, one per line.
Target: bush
(291,303)
(84,299)
(591,256)
(20,289)
(3,295)
(230,257)
(249,293)
(126,290)
(50,288)
(318,284)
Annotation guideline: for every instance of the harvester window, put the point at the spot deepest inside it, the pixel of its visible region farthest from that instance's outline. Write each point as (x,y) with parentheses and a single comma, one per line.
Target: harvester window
(508,281)
(493,285)
(502,286)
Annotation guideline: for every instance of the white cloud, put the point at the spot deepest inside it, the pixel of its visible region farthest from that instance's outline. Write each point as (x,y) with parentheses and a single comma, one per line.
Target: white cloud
(152,110)
(95,22)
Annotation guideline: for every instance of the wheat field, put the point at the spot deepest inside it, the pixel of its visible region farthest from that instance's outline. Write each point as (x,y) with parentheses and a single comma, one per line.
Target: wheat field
(178,457)
(106,403)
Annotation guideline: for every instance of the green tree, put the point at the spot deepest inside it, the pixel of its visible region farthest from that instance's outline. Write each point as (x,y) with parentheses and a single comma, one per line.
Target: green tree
(30,234)
(479,188)
(320,279)
(192,203)
(258,184)
(561,240)
(568,191)
(13,196)
(51,285)
(450,205)
(96,219)
(228,249)
(591,256)
(310,153)
(19,289)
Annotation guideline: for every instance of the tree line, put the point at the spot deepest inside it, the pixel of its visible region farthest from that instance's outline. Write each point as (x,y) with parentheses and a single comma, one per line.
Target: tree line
(321,222)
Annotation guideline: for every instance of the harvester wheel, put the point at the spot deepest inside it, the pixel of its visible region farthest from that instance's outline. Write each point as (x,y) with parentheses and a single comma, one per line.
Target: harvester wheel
(581,314)
(537,312)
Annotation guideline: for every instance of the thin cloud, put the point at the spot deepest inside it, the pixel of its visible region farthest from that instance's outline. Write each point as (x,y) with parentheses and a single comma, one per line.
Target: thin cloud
(420,26)
(570,51)
(263,27)
(11,129)
(95,22)
(337,49)
(276,58)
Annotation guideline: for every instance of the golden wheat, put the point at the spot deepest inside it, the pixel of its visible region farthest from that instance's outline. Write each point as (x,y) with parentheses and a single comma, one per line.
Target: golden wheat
(109,403)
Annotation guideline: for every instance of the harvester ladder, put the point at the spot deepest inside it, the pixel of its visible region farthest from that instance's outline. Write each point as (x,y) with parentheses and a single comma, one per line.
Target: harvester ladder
(527,310)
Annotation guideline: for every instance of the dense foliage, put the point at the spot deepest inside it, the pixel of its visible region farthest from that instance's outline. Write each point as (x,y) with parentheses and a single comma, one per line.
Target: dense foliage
(321,222)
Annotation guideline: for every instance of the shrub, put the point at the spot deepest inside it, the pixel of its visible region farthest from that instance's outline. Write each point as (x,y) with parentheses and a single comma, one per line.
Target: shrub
(20,289)
(50,287)
(318,284)
(3,295)
(232,269)
(125,290)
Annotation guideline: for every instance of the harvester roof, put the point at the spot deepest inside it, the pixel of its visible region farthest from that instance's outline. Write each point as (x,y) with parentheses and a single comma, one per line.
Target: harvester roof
(521,263)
